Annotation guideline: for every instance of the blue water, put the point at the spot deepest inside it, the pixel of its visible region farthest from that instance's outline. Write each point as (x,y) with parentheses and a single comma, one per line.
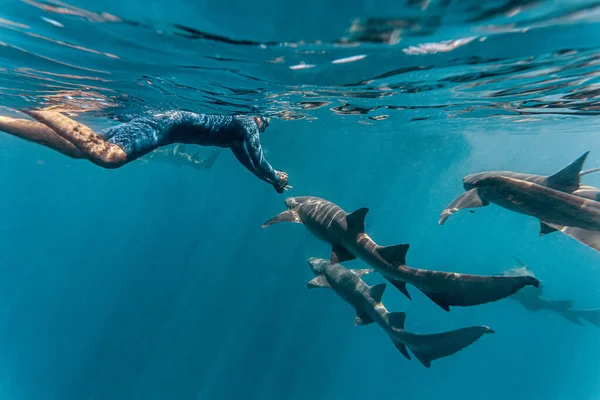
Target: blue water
(156,282)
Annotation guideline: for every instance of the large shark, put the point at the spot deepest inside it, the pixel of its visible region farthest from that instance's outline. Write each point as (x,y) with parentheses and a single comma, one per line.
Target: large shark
(346,233)
(509,189)
(366,300)
(575,216)
(532,300)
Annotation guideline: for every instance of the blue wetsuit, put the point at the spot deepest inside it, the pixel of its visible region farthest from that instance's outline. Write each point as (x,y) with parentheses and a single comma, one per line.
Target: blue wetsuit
(240,133)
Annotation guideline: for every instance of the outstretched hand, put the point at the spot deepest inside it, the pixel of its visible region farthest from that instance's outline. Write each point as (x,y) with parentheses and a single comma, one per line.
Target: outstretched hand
(282,185)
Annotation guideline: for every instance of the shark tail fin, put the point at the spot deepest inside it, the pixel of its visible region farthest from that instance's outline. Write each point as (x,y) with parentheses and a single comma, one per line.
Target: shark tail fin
(568,177)
(469,290)
(591,316)
(286,216)
(561,305)
(427,348)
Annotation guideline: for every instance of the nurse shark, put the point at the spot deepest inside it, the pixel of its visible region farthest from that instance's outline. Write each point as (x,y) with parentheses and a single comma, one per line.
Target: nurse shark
(366,300)
(346,233)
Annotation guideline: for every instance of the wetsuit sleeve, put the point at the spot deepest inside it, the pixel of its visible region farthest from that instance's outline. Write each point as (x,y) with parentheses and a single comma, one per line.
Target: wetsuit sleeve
(249,152)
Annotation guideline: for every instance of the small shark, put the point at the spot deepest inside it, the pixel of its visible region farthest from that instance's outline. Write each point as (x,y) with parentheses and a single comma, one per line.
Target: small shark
(346,233)
(559,201)
(178,156)
(532,300)
(366,300)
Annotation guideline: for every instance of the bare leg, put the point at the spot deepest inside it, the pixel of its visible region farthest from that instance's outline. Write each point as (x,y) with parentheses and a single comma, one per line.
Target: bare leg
(39,133)
(93,147)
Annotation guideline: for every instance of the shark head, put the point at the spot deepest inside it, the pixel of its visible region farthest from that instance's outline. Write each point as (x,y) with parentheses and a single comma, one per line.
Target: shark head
(294,202)
(317,265)
(470,181)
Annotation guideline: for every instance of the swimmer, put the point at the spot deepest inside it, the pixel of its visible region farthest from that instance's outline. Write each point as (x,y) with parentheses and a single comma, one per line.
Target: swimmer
(177,155)
(118,145)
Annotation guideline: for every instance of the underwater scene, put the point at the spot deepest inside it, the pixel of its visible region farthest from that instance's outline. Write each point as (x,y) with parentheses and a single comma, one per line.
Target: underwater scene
(317,200)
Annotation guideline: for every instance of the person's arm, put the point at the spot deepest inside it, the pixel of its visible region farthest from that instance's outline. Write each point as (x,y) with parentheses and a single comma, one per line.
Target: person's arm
(264,170)
(249,153)
(242,153)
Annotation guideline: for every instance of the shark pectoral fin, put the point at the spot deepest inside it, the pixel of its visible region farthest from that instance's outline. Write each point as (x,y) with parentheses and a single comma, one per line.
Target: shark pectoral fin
(362,318)
(362,272)
(395,255)
(286,216)
(568,177)
(437,299)
(585,236)
(340,254)
(402,348)
(469,199)
(560,304)
(356,220)
(318,281)
(546,229)
(376,292)
(401,286)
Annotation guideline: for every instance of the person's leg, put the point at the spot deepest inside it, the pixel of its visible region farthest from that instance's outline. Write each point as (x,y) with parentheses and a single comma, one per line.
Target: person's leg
(92,145)
(38,133)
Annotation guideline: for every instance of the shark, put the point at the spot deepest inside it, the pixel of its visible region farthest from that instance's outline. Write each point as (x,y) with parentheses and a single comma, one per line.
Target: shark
(535,195)
(178,156)
(532,300)
(366,300)
(346,234)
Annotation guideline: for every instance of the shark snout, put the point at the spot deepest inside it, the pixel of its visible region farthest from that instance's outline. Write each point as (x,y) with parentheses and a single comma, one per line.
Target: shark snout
(317,265)
(291,203)
(469,181)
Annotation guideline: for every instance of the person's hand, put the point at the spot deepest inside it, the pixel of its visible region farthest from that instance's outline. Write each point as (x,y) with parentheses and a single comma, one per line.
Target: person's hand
(282,185)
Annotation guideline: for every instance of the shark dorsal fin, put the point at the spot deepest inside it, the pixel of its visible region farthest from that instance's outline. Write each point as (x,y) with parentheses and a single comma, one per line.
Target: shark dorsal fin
(569,176)
(356,220)
(395,255)
(397,319)
(376,292)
